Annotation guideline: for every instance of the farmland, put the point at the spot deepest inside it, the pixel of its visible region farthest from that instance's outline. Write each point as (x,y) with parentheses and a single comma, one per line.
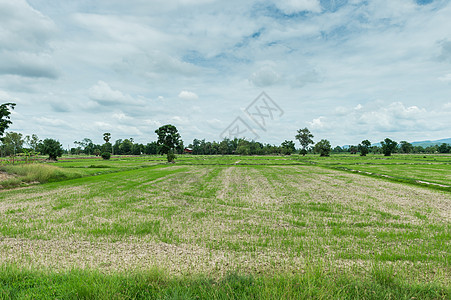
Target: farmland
(231,226)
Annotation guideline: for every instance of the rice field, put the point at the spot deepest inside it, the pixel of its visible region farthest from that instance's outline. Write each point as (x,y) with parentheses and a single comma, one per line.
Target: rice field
(231,227)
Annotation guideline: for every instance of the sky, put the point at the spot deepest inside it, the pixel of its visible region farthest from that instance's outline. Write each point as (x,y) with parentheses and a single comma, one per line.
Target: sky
(348,70)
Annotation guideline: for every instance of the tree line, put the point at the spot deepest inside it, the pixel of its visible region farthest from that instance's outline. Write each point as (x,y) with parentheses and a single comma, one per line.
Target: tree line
(170,143)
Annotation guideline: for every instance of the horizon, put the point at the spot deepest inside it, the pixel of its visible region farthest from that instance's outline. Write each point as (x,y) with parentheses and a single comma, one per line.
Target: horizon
(348,70)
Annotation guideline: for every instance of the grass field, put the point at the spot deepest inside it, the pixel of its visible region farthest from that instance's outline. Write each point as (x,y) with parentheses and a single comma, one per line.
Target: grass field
(231,227)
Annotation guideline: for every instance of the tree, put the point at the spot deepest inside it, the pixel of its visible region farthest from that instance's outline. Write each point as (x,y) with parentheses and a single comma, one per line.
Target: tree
(243,148)
(323,148)
(4,116)
(288,147)
(12,143)
(388,146)
(151,148)
(32,141)
(406,147)
(305,139)
(444,148)
(51,147)
(364,147)
(107,137)
(126,147)
(168,140)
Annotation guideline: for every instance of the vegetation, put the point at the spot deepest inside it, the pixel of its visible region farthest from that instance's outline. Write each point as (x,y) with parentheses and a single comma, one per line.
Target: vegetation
(305,139)
(221,226)
(5,120)
(323,148)
(388,146)
(168,140)
(364,147)
(52,148)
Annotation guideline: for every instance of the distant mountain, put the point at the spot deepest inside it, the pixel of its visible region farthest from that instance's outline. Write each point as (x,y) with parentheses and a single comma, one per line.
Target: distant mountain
(432,143)
(421,143)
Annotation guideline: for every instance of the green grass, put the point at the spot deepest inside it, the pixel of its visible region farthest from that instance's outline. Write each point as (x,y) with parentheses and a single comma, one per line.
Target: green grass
(146,229)
(41,173)
(314,283)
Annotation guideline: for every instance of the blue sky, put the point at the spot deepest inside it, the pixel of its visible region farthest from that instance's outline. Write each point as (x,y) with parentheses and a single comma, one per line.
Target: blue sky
(347,69)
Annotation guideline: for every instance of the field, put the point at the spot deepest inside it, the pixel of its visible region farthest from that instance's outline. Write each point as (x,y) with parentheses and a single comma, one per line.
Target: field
(231,227)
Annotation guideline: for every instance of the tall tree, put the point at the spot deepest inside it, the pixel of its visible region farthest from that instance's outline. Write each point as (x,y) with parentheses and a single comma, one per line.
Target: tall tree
(406,147)
(52,147)
(304,137)
(168,140)
(12,143)
(323,148)
(364,147)
(5,112)
(107,137)
(287,147)
(32,141)
(388,146)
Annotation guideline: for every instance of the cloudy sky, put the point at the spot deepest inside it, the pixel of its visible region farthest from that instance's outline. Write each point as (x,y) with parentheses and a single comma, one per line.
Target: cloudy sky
(347,69)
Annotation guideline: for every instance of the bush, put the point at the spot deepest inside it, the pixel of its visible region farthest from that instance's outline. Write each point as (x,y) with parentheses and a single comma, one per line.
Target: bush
(106,155)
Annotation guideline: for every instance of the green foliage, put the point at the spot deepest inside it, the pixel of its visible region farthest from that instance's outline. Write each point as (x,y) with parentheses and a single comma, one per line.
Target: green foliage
(364,147)
(126,147)
(168,140)
(12,143)
(106,155)
(304,137)
(388,146)
(52,148)
(288,147)
(5,113)
(323,147)
(107,147)
(170,156)
(32,141)
(405,147)
(26,173)
(107,137)
(444,148)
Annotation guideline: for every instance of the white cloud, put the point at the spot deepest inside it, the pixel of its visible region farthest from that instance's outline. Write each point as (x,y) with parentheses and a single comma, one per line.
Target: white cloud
(265,76)
(317,123)
(445,78)
(295,6)
(318,61)
(24,28)
(187,95)
(103,94)
(51,122)
(121,117)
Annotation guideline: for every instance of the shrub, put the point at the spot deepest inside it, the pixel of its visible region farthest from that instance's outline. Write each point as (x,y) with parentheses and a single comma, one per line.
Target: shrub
(106,155)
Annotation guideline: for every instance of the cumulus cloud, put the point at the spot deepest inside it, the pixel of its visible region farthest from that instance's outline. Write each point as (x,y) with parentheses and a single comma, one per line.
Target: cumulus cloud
(103,94)
(265,76)
(317,123)
(187,95)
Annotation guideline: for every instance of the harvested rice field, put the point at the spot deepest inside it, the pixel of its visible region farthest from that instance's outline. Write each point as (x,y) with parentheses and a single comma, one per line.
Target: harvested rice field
(279,228)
